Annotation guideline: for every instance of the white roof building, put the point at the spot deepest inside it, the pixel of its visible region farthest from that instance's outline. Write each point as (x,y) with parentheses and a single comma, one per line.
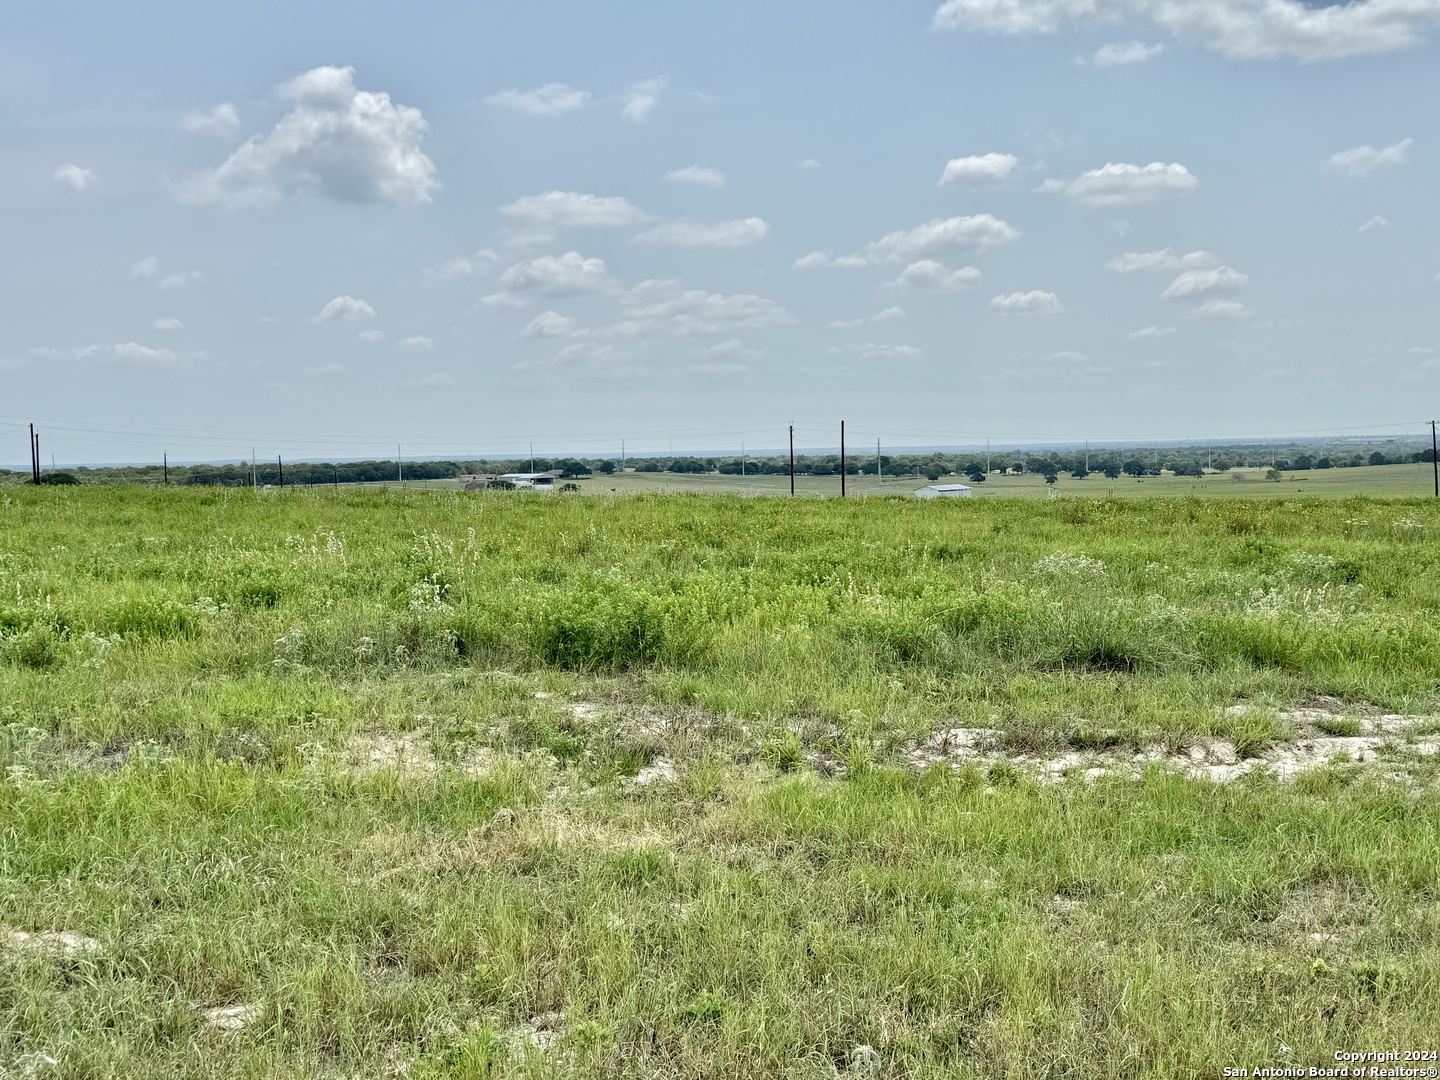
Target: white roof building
(944,491)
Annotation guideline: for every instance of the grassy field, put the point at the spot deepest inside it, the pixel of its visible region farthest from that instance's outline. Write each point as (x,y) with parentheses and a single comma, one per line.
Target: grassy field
(437,784)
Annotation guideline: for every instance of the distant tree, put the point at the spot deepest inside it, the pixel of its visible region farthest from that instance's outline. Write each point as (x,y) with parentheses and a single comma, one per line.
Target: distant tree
(1324,463)
(1079,472)
(607,467)
(932,472)
(1303,461)
(1111,471)
(1273,474)
(62,478)
(975,472)
(1051,476)
(1378,458)
(1133,468)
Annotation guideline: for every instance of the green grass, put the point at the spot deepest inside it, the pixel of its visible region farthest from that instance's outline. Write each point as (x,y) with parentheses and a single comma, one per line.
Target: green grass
(371,762)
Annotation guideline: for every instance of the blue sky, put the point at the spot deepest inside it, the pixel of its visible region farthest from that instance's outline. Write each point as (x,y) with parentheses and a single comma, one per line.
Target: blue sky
(329,229)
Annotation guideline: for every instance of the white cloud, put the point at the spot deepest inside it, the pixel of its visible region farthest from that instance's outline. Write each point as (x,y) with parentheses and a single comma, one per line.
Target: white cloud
(371,336)
(1222,309)
(720,369)
(550,324)
(557,209)
(337,142)
(1363,160)
(807,163)
(180,280)
(552,99)
(665,307)
(982,168)
(346,308)
(845,324)
(1120,53)
(75,177)
(418,343)
(641,99)
(828,259)
(147,267)
(1376,222)
(553,275)
(223,121)
(1123,184)
(501,301)
(1193,283)
(718,234)
(1248,29)
(167,324)
(1027,303)
(1152,333)
(699,175)
(436,381)
(890,314)
(141,354)
(460,266)
(976,233)
(930,274)
(872,350)
(1133,261)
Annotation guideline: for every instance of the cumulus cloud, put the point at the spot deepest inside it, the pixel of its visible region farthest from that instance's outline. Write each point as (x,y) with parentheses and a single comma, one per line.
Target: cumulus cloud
(1121,53)
(418,343)
(981,168)
(1034,302)
(718,234)
(807,163)
(640,100)
(167,324)
(976,233)
(336,142)
(665,307)
(76,177)
(1123,184)
(557,275)
(1376,222)
(1363,160)
(558,209)
(223,121)
(550,324)
(180,280)
(1222,309)
(1194,283)
(930,274)
(872,350)
(371,336)
(699,175)
(1133,261)
(1248,29)
(147,267)
(142,354)
(890,314)
(347,309)
(1152,333)
(552,99)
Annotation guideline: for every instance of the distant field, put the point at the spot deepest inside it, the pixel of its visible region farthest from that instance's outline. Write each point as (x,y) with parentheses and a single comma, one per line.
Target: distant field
(1379,481)
(372,783)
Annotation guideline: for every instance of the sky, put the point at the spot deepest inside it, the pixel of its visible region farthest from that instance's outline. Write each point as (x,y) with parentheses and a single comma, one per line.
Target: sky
(337,229)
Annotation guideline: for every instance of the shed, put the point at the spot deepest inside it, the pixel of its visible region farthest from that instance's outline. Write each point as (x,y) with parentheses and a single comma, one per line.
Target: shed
(944,491)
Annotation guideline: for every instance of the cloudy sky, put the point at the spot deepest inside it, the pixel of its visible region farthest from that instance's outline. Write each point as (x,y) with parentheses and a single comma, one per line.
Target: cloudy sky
(331,228)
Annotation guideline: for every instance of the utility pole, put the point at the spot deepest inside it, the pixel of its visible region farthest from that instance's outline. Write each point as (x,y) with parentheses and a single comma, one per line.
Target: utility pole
(1434,459)
(281,462)
(792,460)
(166,466)
(842,459)
(34,461)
